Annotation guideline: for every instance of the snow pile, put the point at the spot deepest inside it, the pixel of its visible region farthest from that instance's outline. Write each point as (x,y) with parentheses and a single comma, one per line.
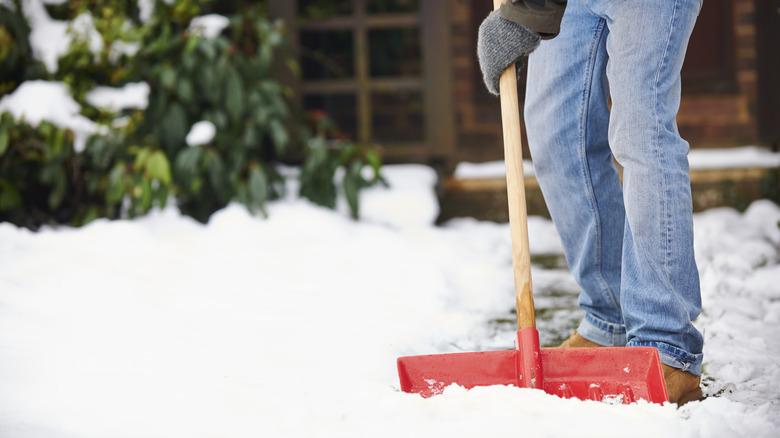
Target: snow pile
(290,326)
(36,101)
(201,133)
(208,26)
(133,95)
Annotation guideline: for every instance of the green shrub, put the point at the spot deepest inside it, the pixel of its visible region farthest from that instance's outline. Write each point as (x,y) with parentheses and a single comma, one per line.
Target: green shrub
(323,160)
(43,180)
(228,80)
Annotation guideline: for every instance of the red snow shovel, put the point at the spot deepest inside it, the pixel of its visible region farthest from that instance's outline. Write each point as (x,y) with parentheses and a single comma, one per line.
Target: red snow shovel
(613,374)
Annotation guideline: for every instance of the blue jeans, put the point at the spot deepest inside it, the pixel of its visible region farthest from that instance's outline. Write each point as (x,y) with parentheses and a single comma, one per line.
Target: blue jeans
(630,247)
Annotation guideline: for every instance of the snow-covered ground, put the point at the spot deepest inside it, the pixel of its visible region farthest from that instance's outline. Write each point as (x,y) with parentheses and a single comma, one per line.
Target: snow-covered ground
(290,326)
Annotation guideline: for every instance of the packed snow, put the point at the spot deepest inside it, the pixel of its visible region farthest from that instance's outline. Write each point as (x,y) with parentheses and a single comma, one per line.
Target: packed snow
(201,133)
(25,103)
(699,159)
(290,326)
(134,95)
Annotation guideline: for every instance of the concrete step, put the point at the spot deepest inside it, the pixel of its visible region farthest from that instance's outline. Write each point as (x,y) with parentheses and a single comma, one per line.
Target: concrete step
(485,198)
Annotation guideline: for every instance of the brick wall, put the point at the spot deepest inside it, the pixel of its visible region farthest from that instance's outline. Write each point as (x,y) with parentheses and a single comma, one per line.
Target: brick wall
(729,117)
(477,113)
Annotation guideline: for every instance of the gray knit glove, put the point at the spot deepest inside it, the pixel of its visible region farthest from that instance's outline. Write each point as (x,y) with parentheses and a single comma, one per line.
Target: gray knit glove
(501,43)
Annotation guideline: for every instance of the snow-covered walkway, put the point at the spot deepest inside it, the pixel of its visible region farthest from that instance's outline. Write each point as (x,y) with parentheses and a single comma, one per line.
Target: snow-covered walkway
(290,326)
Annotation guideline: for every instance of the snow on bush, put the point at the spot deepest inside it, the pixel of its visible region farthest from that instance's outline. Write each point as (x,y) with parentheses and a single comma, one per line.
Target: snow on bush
(201,133)
(208,26)
(49,38)
(133,95)
(36,101)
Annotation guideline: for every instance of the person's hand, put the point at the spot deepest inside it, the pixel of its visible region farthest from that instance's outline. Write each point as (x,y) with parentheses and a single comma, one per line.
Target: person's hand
(501,43)
(513,31)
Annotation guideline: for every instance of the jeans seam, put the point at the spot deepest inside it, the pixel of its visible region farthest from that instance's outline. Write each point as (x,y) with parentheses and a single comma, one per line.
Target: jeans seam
(666,214)
(586,94)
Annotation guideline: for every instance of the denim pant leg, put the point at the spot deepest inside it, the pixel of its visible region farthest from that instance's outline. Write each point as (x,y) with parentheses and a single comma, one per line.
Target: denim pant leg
(659,291)
(567,119)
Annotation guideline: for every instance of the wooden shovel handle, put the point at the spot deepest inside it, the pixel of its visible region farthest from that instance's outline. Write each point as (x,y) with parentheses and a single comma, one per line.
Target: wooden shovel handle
(515,187)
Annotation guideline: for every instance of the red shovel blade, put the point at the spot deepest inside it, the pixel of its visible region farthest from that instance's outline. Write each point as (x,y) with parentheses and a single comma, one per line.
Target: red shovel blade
(613,374)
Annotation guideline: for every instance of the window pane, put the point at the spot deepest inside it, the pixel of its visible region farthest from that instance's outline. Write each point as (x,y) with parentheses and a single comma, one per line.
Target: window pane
(321,9)
(392,6)
(397,117)
(341,108)
(327,54)
(395,52)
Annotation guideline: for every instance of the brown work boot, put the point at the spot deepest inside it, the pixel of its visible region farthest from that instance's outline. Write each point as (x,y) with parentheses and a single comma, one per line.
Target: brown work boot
(577,341)
(682,387)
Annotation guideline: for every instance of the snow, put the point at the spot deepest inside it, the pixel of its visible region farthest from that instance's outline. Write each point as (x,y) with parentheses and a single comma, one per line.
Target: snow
(208,26)
(201,133)
(36,101)
(119,48)
(731,158)
(404,204)
(49,38)
(145,9)
(290,326)
(83,27)
(488,169)
(699,159)
(132,95)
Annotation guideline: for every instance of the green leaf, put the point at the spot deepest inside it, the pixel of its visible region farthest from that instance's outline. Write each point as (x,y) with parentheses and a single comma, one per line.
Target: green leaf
(4,140)
(58,191)
(167,78)
(352,184)
(157,167)
(258,187)
(278,135)
(184,90)
(174,127)
(234,95)
(140,159)
(216,171)
(187,163)
(192,44)
(116,189)
(146,197)
(9,196)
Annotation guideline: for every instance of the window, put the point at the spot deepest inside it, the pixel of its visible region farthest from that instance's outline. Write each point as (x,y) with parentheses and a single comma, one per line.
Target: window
(375,69)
